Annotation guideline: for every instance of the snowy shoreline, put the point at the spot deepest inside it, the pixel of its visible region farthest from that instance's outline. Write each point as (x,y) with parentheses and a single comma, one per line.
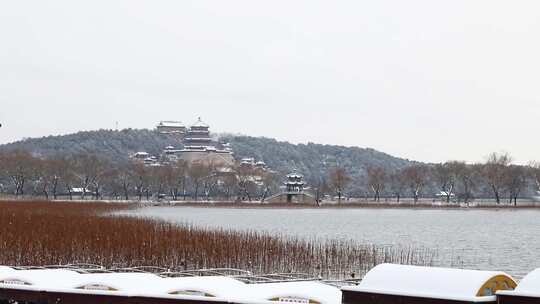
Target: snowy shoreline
(351,204)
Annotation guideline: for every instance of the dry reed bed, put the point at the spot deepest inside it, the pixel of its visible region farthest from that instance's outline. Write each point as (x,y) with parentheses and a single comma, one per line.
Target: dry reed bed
(44,233)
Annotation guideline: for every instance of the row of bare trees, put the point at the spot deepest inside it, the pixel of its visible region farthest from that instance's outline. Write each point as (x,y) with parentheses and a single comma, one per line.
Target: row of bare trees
(497,178)
(89,175)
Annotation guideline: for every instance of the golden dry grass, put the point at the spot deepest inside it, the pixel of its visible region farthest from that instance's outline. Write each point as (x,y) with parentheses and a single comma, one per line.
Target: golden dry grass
(52,233)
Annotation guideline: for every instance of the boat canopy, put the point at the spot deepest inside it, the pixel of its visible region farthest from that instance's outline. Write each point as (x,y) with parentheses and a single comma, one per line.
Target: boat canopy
(208,286)
(218,288)
(529,286)
(121,282)
(434,283)
(296,292)
(42,278)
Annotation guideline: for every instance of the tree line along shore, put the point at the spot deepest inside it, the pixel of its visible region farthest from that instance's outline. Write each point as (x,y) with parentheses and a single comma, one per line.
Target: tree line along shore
(87,176)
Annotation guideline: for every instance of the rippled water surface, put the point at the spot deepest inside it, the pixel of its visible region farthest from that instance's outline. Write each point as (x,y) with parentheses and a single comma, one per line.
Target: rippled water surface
(507,240)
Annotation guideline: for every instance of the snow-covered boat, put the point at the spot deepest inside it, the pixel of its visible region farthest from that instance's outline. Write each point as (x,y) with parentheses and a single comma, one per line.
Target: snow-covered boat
(72,286)
(388,283)
(527,291)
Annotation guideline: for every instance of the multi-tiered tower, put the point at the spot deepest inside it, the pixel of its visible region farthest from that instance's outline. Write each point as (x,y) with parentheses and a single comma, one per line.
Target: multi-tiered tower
(199,147)
(295,183)
(198,137)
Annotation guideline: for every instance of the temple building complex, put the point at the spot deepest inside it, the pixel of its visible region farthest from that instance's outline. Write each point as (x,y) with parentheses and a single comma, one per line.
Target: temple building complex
(171,127)
(199,146)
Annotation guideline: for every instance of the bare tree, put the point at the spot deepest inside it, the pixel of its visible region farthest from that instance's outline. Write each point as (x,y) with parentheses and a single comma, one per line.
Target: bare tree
(377,179)
(210,181)
(124,177)
(167,174)
(535,174)
(398,183)
(113,182)
(44,178)
(159,176)
(416,177)
(67,175)
(494,172)
(196,173)
(321,188)
(87,169)
(465,179)
(103,171)
(245,176)
(142,179)
(269,183)
(55,166)
(446,176)
(48,175)
(339,180)
(19,167)
(515,181)
(180,172)
(229,183)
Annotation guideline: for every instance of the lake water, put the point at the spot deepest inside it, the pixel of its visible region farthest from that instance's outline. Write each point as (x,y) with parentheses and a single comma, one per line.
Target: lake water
(506,240)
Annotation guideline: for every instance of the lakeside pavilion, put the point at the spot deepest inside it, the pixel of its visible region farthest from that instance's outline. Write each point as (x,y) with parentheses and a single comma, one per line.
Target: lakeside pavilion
(294,191)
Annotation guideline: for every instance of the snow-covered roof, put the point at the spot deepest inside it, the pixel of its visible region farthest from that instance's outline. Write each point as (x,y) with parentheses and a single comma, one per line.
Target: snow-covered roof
(199,131)
(429,282)
(209,286)
(444,193)
(297,292)
(80,190)
(212,288)
(529,286)
(199,124)
(225,170)
(140,154)
(170,123)
(295,174)
(57,278)
(125,282)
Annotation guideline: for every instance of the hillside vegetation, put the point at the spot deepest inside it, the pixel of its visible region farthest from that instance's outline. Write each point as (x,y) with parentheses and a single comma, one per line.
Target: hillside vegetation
(312,160)
(329,169)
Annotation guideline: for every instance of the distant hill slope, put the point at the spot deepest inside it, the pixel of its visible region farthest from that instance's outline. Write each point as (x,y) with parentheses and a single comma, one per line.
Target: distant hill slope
(312,160)
(110,144)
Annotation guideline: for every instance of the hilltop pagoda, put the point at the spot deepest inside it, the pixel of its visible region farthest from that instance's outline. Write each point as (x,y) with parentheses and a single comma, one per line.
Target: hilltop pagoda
(200,147)
(198,137)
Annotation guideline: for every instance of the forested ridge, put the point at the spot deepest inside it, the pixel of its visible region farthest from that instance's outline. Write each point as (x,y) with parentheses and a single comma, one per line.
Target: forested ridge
(310,159)
(351,171)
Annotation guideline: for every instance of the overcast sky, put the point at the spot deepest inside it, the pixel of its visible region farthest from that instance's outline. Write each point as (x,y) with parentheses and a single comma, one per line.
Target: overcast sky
(427,80)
